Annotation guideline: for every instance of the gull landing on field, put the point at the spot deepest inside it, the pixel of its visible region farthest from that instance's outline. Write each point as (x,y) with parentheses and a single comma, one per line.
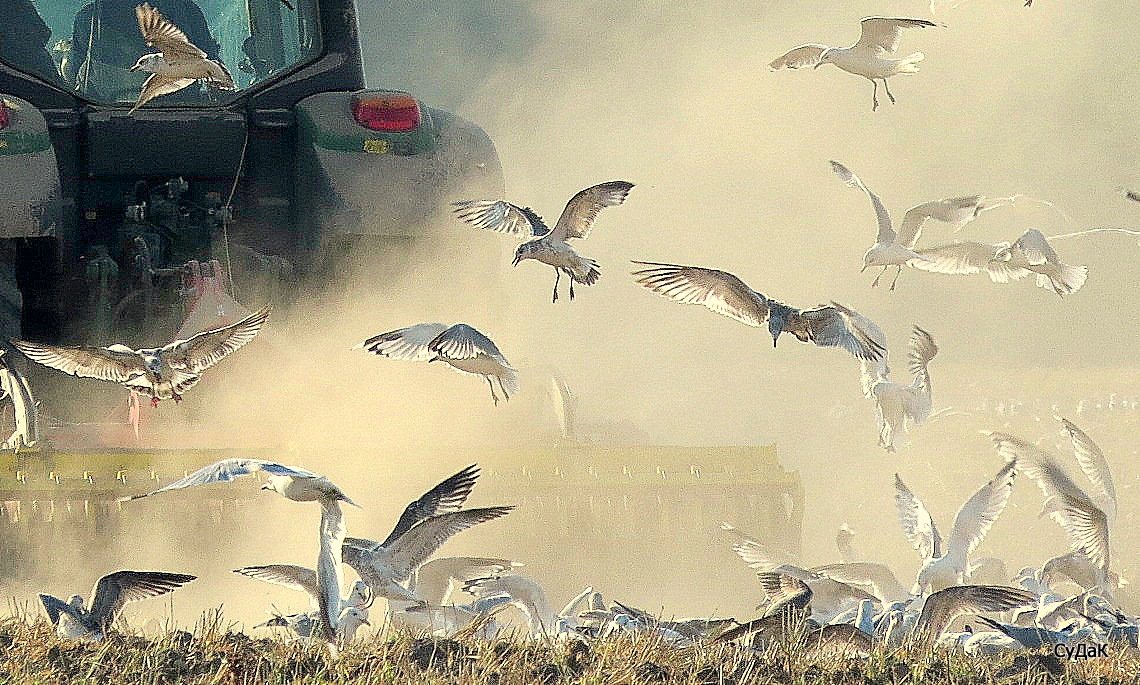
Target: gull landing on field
(179,64)
(550,246)
(162,373)
(869,57)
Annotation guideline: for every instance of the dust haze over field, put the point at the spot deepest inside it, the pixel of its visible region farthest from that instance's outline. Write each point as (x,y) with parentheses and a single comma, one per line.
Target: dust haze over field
(730,163)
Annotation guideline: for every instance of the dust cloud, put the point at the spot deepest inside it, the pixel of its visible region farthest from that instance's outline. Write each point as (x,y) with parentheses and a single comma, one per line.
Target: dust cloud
(730,163)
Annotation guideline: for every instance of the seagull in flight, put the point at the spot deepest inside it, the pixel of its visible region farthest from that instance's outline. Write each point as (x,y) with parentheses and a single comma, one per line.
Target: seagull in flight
(945,566)
(870,57)
(1005,262)
(826,325)
(76,621)
(897,249)
(425,525)
(290,482)
(160,372)
(897,404)
(459,346)
(942,607)
(543,244)
(179,62)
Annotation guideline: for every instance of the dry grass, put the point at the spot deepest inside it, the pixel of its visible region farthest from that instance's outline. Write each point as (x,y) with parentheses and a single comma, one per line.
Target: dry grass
(31,653)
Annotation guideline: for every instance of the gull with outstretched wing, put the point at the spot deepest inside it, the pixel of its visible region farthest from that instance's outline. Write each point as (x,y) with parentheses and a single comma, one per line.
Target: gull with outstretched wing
(871,57)
(161,373)
(74,620)
(460,347)
(543,244)
(178,64)
(826,325)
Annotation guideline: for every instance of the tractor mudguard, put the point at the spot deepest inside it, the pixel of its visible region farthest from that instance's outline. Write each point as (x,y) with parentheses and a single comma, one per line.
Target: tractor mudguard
(352,180)
(29,176)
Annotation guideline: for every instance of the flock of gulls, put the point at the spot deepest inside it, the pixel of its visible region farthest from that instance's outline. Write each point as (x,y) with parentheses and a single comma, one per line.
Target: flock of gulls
(957,598)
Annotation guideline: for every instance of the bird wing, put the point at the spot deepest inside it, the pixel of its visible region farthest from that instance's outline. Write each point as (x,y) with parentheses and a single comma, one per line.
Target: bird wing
(116,363)
(1085,524)
(1036,248)
(55,607)
(955,210)
(785,593)
(879,576)
(582,210)
(114,590)
(357,552)
(207,348)
(1095,465)
(286,575)
(329,575)
(410,550)
(465,342)
(227,470)
(159,84)
(942,607)
(978,514)
(410,344)
(433,577)
(758,556)
(806,55)
(917,524)
(835,325)
(160,32)
(449,495)
(883,34)
(967,257)
(501,216)
(923,349)
(717,290)
(886,234)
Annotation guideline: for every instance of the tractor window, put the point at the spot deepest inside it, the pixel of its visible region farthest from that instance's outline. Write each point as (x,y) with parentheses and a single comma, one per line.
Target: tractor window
(90,46)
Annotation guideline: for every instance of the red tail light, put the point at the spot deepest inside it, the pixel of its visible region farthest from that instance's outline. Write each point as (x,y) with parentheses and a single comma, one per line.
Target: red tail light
(5,115)
(388,112)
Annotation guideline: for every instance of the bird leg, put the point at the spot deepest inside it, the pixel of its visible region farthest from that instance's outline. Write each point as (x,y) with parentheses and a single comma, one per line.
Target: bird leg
(874,95)
(177,398)
(888,89)
(876,281)
(506,396)
(154,401)
(492,387)
(571,276)
(897,274)
(557,275)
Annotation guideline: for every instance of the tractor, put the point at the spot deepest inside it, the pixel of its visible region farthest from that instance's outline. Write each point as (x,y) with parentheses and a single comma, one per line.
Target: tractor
(110,218)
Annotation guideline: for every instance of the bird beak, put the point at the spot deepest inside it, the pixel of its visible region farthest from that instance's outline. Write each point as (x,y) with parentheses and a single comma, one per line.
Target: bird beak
(134,68)
(518,258)
(863,269)
(774,342)
(366,622)
(265,486)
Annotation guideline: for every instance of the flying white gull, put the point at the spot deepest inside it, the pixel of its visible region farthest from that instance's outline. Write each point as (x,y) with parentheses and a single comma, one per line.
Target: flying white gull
(1005,262)
(870,57)
(1084,518)
(897,249)
(945,567)
(459,346)
(899,404)
(826,325)
(544,244)
(180,62)
(422,529)
(75,621)
(290,482)
(160,372)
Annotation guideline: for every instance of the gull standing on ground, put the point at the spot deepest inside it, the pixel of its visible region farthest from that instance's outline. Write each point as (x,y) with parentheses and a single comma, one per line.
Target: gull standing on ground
(1085,519)
(352,611)
(109,596)
(161,372)
(870,57)
(945,567)
(290,482)
(546,245)
(826,325)
(897,404)
(459,346)
(180,62)
(1005,262)
(897,249)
